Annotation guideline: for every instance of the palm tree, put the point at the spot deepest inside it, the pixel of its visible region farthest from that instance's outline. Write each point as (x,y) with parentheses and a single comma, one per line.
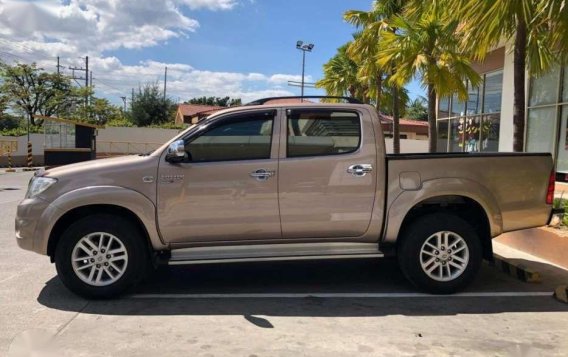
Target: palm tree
(340,77)
(426,45)
(364,50)
(537,28)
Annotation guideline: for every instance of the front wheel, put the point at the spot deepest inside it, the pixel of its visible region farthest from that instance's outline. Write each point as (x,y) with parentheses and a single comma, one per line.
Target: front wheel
(440,253)
(101,256)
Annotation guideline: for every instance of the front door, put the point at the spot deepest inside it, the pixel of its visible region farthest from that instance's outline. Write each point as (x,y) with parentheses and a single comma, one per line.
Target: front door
(328,174)
(226,189)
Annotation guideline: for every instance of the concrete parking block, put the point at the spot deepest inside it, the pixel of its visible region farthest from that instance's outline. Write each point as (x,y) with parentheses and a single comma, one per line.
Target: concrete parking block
(515,270)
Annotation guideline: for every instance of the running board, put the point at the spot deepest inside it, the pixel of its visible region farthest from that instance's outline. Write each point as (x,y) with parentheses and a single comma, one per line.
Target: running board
(274,252)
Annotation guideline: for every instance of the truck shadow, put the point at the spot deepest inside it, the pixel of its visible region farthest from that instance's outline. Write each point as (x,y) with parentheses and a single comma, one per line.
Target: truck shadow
(360,276)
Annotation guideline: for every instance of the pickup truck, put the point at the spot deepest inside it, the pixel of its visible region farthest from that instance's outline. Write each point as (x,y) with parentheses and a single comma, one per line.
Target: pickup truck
(270,181)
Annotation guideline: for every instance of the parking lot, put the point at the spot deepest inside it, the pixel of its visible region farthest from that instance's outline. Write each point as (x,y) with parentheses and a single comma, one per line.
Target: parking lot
(339,308)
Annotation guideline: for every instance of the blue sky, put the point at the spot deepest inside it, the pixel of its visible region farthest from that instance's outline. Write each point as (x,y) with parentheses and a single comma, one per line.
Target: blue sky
(211,47)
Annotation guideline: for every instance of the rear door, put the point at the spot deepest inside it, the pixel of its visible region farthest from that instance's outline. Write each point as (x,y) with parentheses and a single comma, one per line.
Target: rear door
(226,190)
(327,174)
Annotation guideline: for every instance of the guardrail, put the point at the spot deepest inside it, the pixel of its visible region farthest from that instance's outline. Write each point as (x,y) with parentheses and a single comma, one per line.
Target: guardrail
(111,148)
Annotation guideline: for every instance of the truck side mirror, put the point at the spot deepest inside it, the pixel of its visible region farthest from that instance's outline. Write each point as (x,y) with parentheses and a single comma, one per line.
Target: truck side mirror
(176,152)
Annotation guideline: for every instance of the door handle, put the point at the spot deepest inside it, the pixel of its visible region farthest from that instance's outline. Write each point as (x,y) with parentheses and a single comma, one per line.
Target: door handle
(262,174)
(360,170)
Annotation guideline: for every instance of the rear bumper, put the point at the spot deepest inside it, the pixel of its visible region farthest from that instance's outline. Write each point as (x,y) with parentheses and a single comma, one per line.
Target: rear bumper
(555,212)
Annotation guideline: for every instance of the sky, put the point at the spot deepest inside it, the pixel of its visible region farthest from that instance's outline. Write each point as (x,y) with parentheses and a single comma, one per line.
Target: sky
(238,48)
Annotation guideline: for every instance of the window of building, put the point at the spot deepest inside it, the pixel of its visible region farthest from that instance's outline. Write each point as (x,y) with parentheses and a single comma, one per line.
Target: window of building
(322,132)
(443,127)
(242,138)
(473,125)
(544,89)
(547,116)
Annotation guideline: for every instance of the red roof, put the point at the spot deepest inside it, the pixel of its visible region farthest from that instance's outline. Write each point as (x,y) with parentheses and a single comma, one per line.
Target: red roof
(406,125)
(191,110)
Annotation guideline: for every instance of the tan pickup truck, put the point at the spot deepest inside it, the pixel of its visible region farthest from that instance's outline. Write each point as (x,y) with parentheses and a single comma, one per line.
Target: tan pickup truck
(268,182)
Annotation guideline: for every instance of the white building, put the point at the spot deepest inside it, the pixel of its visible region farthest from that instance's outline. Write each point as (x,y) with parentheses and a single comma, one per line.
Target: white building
(485,121)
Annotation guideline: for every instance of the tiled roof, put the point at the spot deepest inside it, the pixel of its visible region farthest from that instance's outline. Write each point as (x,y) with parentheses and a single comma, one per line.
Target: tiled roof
(190,110)
(387,119)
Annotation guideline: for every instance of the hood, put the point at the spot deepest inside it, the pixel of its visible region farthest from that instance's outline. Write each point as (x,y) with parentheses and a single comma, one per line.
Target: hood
(100,165)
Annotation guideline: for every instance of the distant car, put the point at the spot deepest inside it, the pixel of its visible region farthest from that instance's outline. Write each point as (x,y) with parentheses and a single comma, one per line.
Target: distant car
(281,182)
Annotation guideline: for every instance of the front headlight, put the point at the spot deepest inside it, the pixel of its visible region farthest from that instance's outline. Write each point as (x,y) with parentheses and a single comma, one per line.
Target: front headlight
(39,185)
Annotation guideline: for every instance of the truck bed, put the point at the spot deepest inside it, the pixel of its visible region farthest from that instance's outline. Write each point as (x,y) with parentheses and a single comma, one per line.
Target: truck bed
(511,187)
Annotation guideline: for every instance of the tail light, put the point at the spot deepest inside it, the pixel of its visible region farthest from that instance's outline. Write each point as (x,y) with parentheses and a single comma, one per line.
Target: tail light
(550,191)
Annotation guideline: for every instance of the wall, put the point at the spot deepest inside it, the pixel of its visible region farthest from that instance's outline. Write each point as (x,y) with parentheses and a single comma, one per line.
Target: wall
(507,100)
(122,140)
(408,146)
(19,157)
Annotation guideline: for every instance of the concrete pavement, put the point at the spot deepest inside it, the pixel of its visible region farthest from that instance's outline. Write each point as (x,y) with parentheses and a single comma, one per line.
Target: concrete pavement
(391,320)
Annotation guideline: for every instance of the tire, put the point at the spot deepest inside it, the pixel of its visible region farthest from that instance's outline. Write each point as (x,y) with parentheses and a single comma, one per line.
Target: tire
(453,270)
(114,271)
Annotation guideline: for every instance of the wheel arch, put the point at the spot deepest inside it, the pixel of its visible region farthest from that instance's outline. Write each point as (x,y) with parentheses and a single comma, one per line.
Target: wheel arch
(103,199)
(468,200)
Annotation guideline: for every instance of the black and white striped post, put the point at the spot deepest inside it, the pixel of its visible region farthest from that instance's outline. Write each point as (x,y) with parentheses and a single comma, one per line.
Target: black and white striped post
(30,157)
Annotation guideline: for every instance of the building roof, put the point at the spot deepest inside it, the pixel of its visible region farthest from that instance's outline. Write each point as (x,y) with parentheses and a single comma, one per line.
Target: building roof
(67,121)
(387,119)
(191,110)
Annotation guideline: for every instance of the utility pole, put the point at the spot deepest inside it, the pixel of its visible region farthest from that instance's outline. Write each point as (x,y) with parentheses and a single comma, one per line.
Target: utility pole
(165,82)
(124,101)
(87,71)
(132,99)
(57,64)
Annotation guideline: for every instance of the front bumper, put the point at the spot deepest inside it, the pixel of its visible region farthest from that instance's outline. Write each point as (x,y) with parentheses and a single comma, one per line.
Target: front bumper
(28,219)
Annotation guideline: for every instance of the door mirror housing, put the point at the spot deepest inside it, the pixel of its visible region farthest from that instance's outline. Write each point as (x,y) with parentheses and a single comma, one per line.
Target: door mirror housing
(176,151)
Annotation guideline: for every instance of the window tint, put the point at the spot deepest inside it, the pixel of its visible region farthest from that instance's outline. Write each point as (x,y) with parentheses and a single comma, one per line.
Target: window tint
(314,133)
(244,138)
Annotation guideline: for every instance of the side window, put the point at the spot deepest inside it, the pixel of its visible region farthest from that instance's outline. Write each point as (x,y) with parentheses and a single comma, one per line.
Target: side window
(322,132)
(242,138)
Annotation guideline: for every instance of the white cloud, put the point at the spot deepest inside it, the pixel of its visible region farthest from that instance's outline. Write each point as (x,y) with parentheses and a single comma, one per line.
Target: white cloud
(284,78)
(210,4)
(38,31)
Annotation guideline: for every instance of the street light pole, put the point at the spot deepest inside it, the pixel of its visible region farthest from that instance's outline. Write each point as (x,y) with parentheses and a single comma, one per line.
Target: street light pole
(304,47)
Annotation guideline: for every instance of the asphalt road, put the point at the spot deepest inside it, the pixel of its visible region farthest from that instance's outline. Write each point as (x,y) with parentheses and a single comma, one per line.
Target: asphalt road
(328,308)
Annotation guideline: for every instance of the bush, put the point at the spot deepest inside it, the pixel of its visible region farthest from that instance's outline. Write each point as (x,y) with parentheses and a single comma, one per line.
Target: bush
(562,203)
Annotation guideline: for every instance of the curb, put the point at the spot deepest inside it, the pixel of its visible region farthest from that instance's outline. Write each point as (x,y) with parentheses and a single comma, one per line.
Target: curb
(517,271)
(561,293)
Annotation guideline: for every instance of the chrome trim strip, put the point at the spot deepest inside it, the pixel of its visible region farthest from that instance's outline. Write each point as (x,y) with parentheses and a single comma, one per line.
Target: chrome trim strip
(281,258)
(273,250)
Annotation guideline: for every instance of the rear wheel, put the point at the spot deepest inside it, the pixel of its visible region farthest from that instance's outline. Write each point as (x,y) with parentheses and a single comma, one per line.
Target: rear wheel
(440,253)
(101,256)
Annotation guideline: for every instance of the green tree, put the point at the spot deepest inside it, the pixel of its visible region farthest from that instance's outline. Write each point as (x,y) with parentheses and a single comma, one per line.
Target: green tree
(340,77)
(538,30)
(364,50)
(149,107)
(216,101)
(417,109)
(426,46)
(31,91)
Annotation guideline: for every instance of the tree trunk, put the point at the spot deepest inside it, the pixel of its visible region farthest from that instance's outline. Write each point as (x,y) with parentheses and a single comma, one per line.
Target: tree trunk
(379,84)
(432,133)
(395,121)
(519,67)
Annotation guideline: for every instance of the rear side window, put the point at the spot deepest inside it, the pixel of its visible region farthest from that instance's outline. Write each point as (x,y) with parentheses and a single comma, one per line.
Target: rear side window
(322,132)
(242,138)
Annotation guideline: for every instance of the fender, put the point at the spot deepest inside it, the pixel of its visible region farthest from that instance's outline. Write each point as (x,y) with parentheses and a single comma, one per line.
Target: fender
(406,200)
(134,201)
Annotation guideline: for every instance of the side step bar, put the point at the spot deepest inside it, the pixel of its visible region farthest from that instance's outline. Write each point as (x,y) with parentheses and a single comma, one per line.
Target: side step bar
(274,252)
